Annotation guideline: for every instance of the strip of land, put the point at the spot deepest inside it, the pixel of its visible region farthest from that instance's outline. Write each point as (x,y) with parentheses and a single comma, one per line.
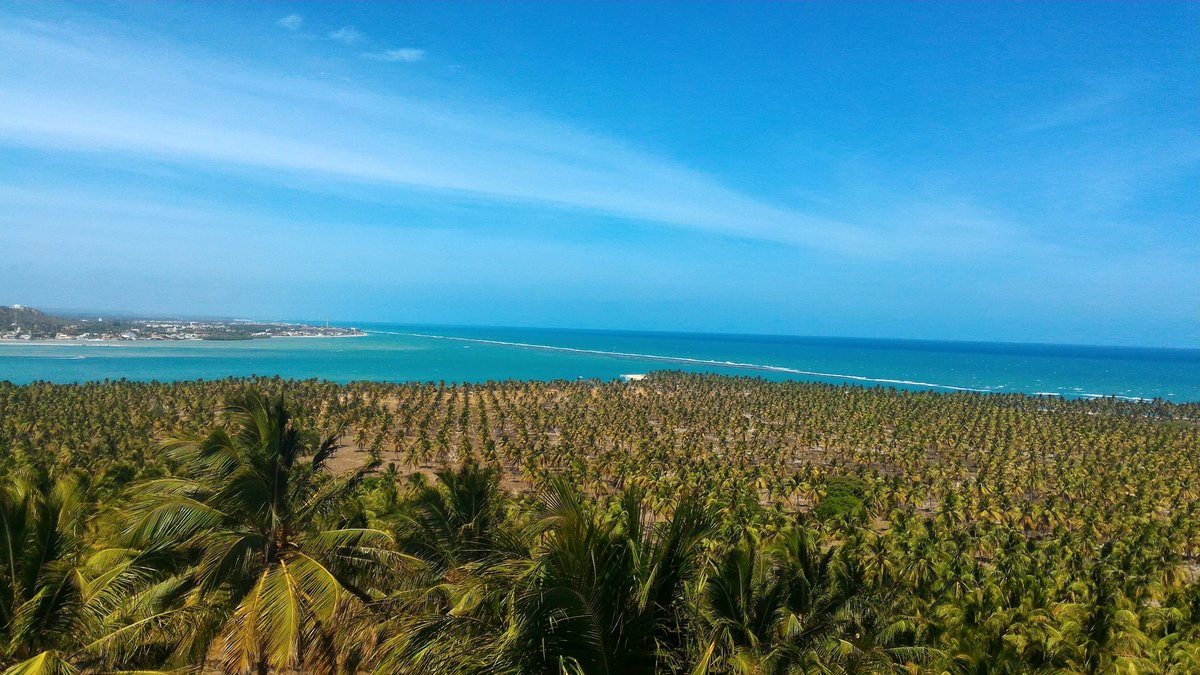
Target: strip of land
(27,324)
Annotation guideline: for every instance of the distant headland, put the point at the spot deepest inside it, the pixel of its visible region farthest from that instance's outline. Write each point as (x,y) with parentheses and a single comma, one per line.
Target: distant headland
(18,322)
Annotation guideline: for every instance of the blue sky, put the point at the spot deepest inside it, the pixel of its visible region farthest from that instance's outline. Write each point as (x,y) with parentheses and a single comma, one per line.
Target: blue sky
(1016,172)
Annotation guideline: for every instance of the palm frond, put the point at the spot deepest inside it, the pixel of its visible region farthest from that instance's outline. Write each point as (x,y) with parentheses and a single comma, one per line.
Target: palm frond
(46,663)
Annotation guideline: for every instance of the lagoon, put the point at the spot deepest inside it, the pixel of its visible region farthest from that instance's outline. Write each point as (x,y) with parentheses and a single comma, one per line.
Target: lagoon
(398,353)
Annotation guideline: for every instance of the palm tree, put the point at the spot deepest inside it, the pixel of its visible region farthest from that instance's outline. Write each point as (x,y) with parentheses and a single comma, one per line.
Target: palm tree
(1103,629)
(606,592)
(41,583)
(459,520)
(451,614)
(744,602)
(59,608)
(796,607)
(600,592)
(261,538)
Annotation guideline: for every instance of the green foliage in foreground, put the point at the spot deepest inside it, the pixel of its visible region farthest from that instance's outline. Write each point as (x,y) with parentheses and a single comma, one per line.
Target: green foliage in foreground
(685,524)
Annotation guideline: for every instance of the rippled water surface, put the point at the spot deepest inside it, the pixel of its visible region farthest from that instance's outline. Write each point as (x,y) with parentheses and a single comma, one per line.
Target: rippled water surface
(406,353)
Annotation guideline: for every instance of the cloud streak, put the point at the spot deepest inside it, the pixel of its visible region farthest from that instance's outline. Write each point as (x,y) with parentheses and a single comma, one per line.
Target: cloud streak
(291,22)
(347,35)
(64,93)
(95,93)
(1085,107)
(404,54)
(309,144)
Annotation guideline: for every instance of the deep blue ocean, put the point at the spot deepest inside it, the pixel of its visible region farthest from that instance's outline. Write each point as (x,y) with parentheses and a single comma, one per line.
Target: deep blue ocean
(459,354)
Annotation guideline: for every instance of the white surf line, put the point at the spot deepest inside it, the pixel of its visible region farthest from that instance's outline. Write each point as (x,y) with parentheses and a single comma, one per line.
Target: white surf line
(683,360)
(1122,397)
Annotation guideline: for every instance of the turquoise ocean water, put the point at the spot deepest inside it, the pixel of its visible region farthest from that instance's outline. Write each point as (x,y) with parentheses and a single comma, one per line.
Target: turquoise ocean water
(458,354)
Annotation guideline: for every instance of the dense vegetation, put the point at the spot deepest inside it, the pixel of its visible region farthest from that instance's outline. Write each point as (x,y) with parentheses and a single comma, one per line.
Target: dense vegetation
(682,524)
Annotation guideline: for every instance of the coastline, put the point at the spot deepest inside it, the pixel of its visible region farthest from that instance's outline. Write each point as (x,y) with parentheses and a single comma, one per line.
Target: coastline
(385,359)
(287,337)
(110,343)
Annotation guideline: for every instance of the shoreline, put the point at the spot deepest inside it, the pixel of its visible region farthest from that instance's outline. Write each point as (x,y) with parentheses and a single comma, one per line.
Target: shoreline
(76,343)
(628,372)
(285,337)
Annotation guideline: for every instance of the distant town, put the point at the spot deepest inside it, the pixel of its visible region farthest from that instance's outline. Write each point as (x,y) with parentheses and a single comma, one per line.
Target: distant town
(18,322)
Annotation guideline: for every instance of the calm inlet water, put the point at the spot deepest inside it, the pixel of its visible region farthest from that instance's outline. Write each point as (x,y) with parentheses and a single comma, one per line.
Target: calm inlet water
(457,354)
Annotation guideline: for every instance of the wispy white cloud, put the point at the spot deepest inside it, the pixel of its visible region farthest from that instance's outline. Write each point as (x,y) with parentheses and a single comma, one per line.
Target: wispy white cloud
(291,22)
(92,227)
(404,54)
(1094,102)
(212,115)
(347,35)
(78,92)
(97,103)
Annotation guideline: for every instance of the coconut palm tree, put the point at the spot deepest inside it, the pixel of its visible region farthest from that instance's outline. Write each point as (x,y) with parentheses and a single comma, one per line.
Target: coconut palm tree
(1103,630)
(600,591)
(41,584)
(61,609)
(605,593)
(796,607)
(262,539)
(458,520)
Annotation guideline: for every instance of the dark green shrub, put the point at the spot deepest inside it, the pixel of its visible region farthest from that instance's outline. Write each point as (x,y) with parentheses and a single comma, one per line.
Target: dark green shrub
(843,496)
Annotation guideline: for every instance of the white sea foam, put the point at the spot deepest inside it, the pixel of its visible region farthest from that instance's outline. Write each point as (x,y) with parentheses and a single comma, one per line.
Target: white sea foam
(1117,396)
(687,361)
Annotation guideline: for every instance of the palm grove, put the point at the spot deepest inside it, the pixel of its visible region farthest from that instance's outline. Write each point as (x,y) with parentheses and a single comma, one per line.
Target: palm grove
(683,524)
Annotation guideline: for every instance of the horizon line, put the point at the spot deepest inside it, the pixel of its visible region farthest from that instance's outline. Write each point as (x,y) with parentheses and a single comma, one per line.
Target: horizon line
(356,323)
